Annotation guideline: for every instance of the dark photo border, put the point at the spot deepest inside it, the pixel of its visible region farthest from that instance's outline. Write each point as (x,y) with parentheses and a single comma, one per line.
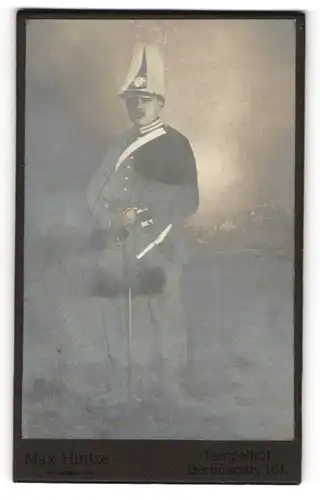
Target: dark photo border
(157,461)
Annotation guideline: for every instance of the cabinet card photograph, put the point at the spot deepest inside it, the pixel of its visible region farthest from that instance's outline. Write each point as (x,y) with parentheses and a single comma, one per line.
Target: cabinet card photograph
(160,215)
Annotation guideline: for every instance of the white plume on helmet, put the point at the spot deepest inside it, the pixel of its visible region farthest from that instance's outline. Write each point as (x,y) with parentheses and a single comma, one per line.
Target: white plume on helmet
(146,72)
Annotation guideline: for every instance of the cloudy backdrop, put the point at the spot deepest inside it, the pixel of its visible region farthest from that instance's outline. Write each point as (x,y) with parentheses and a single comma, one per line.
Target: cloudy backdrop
(231,91)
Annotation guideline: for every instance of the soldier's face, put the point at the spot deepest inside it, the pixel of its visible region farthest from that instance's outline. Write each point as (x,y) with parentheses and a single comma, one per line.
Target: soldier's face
(143,109)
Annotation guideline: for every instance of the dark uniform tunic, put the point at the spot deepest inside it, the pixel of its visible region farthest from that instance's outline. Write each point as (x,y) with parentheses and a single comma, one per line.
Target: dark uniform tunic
(153,171)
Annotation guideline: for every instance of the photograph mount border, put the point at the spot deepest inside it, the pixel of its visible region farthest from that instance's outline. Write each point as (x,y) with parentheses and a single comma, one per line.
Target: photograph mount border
(131,461)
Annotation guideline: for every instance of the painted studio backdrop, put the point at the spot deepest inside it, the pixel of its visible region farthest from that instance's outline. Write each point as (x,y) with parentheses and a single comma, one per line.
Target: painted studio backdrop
(230,88)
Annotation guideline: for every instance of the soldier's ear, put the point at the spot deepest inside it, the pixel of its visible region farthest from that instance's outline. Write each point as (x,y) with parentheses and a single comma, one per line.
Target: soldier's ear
(161,102)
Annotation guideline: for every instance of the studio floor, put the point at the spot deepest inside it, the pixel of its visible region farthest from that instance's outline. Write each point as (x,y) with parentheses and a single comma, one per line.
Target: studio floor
(239,383)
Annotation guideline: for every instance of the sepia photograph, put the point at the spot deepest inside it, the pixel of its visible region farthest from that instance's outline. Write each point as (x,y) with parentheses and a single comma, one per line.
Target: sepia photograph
(159,225)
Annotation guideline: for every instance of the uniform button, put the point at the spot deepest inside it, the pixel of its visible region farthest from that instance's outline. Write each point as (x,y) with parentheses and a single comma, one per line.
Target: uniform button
(126,178)
(131,157)
(126,189)
(128,166)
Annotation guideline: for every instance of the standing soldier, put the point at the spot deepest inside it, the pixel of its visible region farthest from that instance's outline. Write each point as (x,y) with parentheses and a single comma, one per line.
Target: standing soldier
(140,197)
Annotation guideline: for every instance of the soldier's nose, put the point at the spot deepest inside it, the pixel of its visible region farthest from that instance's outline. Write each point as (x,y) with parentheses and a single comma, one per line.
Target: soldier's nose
(140,104)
